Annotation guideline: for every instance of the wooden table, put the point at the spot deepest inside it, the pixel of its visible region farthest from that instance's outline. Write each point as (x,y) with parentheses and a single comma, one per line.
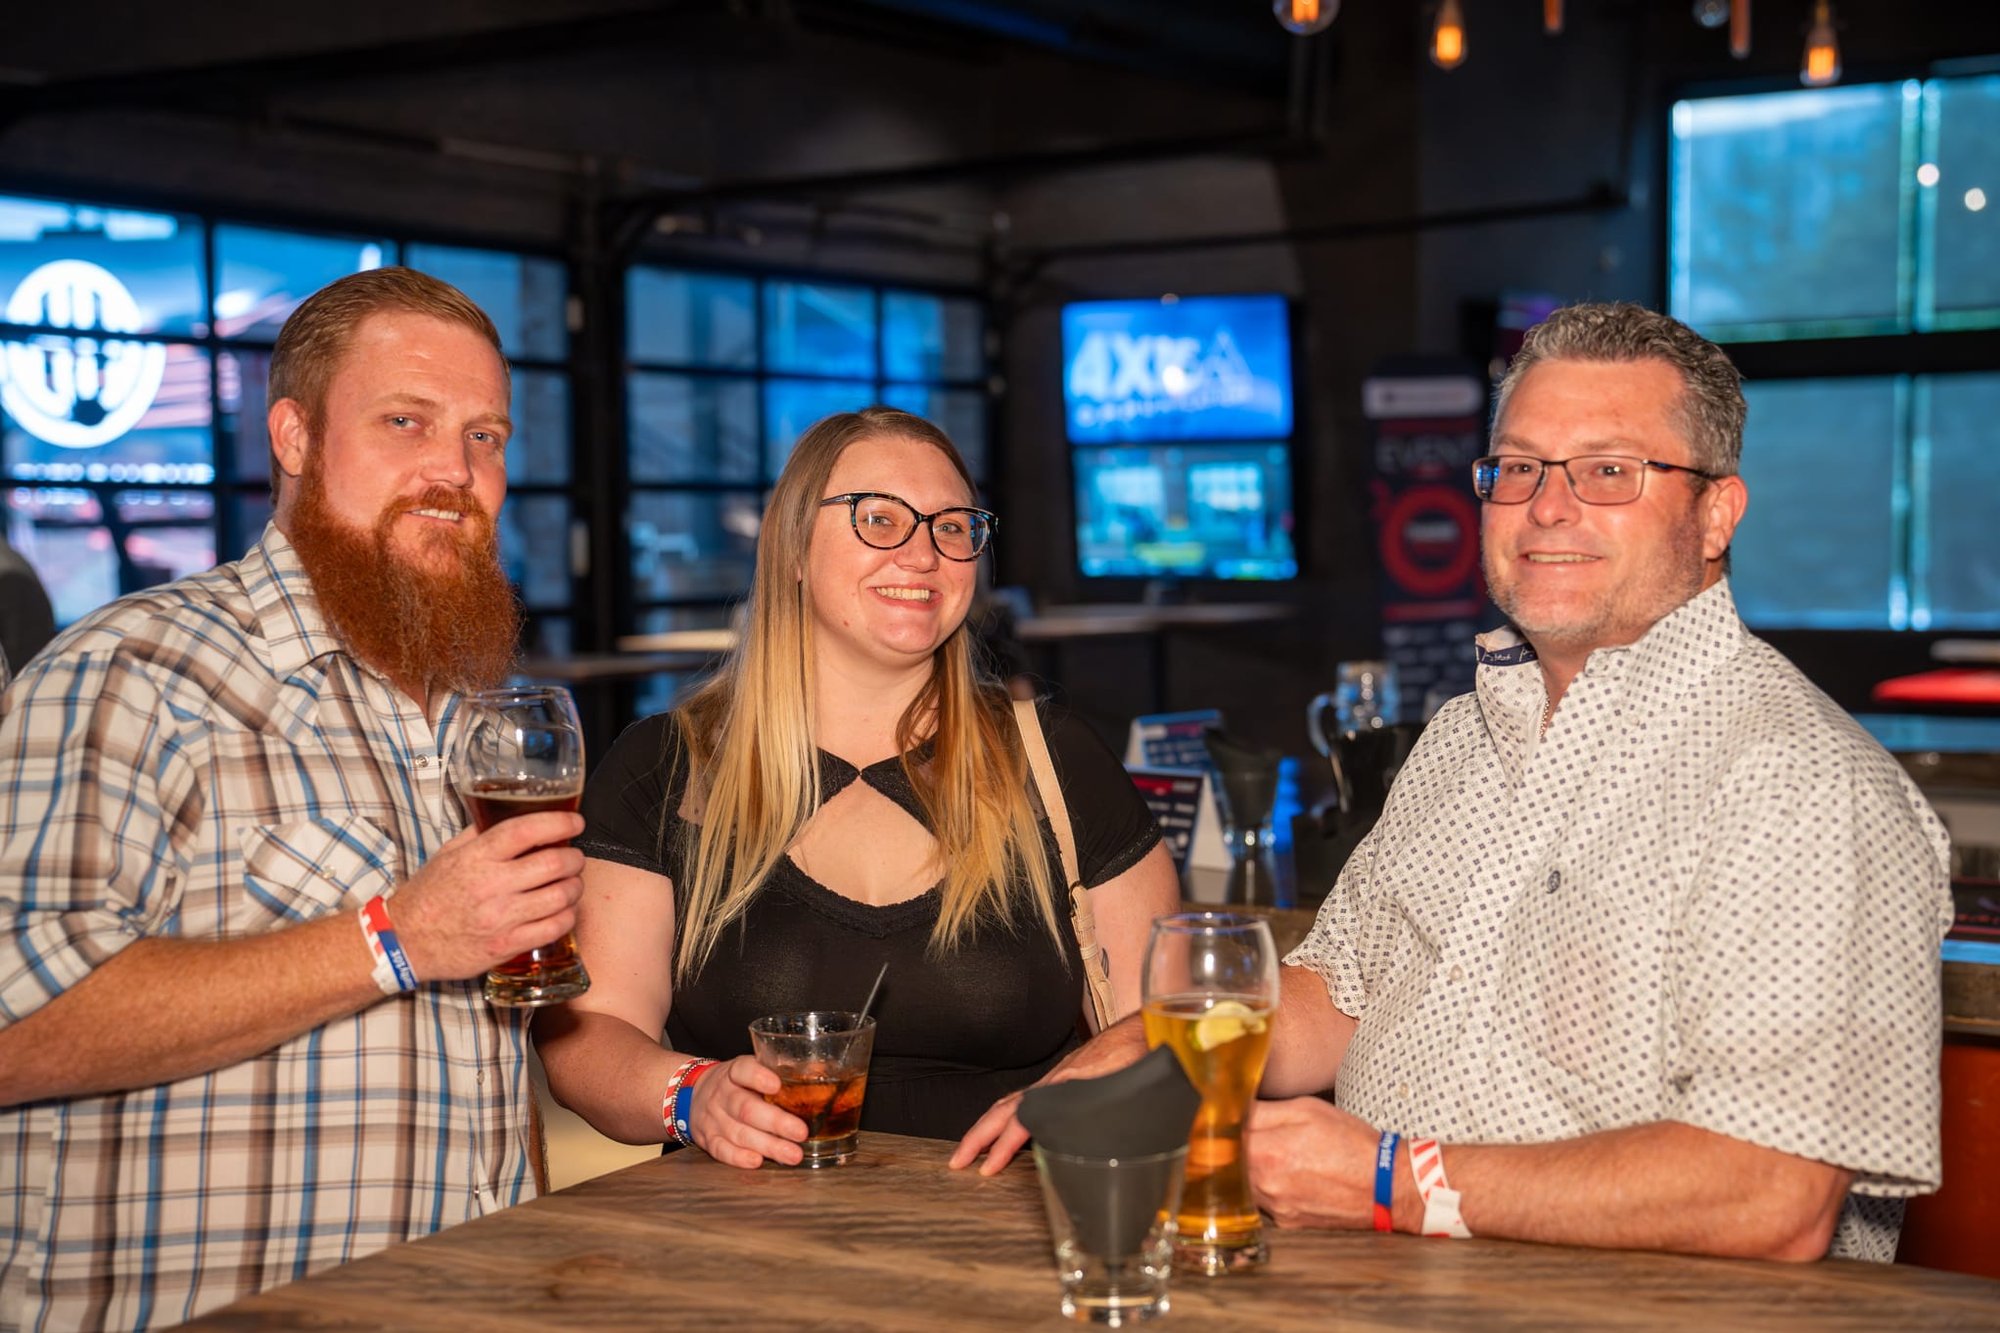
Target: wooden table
(894,1240)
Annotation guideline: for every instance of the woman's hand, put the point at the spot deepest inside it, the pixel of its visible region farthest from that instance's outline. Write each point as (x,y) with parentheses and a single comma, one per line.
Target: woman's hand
(731,1121)
(1000,1135)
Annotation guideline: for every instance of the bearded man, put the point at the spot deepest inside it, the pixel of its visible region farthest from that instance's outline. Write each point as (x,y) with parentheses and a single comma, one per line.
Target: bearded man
(213,1077)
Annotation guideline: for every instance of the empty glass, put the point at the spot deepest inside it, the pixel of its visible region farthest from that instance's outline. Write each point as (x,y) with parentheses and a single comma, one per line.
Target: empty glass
(1111,1220)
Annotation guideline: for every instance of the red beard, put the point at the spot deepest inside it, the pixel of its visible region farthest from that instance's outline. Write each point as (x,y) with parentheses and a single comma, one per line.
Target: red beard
(452,627)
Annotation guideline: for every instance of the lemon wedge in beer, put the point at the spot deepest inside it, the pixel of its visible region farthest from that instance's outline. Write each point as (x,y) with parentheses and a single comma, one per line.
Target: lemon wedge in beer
(1224,1023)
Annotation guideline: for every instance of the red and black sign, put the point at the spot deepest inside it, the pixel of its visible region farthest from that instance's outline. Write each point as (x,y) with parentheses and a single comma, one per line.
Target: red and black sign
(1429,425)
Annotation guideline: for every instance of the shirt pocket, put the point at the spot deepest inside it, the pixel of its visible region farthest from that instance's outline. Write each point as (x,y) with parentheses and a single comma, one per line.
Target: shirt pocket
(311,867)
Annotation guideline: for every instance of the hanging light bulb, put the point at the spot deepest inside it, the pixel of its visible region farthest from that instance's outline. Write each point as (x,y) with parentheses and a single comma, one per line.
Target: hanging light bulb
(1448,37)
(1711,13)
(1739,29)
(1552,16)
(1305,17)
(1821,65)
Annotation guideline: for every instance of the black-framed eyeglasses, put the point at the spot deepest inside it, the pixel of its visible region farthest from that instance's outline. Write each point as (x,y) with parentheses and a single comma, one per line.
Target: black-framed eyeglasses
(1595,479)
(888,521)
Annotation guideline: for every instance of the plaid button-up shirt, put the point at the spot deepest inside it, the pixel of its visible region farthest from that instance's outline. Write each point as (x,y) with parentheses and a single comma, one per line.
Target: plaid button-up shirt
(204,761)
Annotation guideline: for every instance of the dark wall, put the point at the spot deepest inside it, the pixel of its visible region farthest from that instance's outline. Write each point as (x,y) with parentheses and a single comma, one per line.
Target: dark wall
(1395,207)
(1538,167)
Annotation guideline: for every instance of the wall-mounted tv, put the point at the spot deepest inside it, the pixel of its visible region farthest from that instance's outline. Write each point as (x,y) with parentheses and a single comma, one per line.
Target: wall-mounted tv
(1185,511)
(1187,368)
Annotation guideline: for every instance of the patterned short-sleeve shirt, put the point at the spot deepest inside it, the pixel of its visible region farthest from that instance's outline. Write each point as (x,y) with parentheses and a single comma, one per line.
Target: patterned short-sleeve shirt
(204,761)
(1705,895)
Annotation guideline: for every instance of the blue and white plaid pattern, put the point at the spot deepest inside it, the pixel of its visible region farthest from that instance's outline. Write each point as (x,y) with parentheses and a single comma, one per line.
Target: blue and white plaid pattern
(203,760)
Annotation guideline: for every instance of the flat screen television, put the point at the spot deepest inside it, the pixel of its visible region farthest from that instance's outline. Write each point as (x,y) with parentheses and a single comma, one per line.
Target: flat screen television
(1187,368)
(1177,511)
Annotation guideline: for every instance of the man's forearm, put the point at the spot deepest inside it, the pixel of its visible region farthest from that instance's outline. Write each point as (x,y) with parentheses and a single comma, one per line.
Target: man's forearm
(1309,1038)
(1664,1186)
(167,1009)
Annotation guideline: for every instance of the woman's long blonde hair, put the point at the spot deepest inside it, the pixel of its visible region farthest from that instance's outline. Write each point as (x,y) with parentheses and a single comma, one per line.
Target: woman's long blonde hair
(748,735)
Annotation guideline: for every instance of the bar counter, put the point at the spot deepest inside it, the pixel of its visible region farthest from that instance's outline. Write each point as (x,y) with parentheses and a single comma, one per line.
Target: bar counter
(895,1240)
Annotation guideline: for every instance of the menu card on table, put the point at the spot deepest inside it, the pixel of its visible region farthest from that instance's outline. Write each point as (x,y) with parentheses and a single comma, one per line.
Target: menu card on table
(1168,761)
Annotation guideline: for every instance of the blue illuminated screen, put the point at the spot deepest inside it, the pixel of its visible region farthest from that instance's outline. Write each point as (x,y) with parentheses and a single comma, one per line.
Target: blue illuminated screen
(1196,368)
(1185,511)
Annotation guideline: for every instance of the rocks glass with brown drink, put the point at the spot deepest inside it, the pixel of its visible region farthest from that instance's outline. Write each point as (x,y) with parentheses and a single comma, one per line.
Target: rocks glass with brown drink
(520,752)
(1211,985)
(821,1058)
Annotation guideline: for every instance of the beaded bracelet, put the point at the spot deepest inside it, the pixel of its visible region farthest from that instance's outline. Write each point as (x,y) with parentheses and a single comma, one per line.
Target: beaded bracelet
(679,1099)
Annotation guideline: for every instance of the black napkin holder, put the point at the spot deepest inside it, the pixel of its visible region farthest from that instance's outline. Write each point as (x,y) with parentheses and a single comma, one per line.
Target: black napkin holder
(1125,1122)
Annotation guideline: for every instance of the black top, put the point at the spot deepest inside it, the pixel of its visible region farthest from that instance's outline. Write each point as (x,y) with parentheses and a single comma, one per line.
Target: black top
(953,1034)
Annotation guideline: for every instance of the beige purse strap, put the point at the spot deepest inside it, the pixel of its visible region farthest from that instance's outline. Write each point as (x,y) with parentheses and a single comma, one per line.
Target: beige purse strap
(1097,982)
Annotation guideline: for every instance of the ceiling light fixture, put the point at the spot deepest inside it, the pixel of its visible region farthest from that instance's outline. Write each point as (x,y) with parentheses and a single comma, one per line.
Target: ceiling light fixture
(1448,37)
(1303,18)
(1821,65)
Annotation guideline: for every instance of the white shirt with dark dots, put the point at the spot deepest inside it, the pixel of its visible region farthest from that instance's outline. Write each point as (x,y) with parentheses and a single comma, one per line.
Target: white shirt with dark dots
(1705,896)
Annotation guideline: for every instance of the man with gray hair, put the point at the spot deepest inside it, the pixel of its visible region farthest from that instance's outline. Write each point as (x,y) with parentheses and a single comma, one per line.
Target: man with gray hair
(1643,952)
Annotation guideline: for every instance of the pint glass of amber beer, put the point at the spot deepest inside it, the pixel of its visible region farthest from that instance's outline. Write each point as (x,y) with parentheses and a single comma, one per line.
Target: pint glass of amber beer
(1211,984)
(520,752)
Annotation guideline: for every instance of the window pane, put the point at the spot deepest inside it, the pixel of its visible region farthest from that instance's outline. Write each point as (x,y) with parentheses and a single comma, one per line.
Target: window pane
(1966,203)
(534,548)
(160,555)
(700,545)
(688,428)
(1817,545)
(252,513)
(548,636)
(1787,209)
(658,693)
(88,409)
(690,319)
(523,295)
(241,379)
(819,330)
(931,337)
(117,270)
(791,406)
(265,274)
(1958,553)
(60,531)
(538,453)
(959,413)
(174,508)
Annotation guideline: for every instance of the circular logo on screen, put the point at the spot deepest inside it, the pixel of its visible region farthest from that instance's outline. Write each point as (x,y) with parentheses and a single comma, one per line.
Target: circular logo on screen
(88,388)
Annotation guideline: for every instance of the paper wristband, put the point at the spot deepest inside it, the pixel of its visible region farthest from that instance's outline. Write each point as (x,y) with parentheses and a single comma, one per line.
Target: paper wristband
(679,1100)
(1385,1181)
(393,973)
(1441,1218)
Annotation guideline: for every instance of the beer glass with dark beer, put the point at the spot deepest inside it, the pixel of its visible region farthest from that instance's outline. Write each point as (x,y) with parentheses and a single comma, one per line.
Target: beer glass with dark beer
(520,752)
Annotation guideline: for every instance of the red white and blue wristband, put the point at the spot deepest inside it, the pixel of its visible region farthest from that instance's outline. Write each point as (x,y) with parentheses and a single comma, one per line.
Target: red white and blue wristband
(1385,1181)
(678,1102)
(393,973)
(1441,1217)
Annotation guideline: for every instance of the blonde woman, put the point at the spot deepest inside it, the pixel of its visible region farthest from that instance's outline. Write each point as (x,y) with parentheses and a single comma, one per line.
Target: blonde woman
(849,791)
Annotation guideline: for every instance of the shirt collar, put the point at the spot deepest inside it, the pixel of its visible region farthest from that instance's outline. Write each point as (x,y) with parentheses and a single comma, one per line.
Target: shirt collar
(1687,643)
(287,610)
